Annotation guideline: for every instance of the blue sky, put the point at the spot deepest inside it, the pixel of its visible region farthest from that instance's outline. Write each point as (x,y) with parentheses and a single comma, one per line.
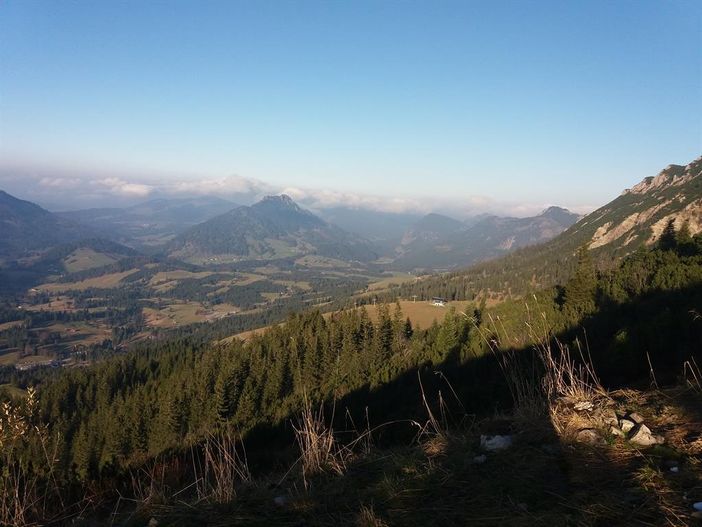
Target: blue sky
(510,105)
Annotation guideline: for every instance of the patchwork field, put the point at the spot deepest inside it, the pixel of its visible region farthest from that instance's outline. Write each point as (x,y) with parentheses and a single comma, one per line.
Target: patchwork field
(422,314)
(9,325)
(86,258)
(167,276)
(321,261)
(180,314)
(105,281)
(386,283)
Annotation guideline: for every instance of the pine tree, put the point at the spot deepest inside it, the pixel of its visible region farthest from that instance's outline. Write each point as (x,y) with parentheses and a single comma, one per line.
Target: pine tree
(668,239)
(579,292)
(684,240)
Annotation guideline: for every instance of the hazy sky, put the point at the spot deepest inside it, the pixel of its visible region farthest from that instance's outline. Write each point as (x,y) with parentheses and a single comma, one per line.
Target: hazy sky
(488,104)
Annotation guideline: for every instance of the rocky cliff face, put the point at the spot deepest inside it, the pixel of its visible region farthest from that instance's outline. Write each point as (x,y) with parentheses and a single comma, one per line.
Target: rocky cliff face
(640,214)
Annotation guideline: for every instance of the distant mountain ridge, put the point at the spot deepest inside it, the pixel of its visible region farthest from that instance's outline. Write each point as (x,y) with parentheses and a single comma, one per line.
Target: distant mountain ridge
(438,241)
(275,227)
(25,226)
(151,222)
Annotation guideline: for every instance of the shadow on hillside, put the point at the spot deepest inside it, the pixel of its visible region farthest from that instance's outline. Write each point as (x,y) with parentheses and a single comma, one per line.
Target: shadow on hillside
(541,479)
(443,480)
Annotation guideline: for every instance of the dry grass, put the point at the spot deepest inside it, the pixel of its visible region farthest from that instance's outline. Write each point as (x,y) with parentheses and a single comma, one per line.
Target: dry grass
(538,382)
(27,494)
(692,375)
(368,518)
(225,467)
(319,450)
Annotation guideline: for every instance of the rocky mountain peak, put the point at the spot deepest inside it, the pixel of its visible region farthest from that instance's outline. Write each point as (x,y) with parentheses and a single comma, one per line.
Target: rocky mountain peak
(282,201)
(672,175)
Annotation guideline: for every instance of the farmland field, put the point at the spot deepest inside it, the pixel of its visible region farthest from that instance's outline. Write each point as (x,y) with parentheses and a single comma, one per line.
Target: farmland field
(105,281)
(86,258)
(181,314)
(422,314)
(396,279)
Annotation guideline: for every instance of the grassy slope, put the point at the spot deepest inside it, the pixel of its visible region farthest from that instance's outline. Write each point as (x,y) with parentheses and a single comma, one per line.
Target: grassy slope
(544,479)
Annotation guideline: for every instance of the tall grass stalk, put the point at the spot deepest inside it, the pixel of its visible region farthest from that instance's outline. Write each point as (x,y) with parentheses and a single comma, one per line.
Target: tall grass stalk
(319,450)
(29,491)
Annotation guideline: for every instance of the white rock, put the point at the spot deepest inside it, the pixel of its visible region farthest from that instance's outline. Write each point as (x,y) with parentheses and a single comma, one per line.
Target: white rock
(642,436)
(583,406)
(588,435)
(496,442)
(674,469)
(697,506)
(626,425)
(636,418)
(609,417)
(617,431)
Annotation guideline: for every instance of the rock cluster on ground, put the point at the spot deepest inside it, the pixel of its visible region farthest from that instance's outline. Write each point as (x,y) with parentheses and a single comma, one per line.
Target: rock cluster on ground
(626,425)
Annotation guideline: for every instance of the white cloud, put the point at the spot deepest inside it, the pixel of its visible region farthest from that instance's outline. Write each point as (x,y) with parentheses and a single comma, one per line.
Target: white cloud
(73,189)
(60,182)
(121,187)
(325,199)
(227,185)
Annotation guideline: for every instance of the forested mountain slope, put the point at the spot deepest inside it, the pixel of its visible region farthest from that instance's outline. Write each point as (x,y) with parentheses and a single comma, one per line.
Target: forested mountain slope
(275,227)
(25,226)
(634,219)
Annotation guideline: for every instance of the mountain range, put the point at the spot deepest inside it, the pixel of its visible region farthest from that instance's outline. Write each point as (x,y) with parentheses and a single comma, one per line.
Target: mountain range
(207,229)
(275,227)
(634,219)
(440,242)
(152,222)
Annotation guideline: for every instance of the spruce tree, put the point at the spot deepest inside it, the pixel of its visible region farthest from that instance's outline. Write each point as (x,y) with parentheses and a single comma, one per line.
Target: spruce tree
(579,292)
(668,239)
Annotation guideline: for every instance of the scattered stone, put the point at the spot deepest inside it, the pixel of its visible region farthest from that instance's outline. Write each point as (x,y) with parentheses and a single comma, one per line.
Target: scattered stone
(589,436)
(280,501)
(626,425)
(616,431)
(697,506)
(482,458)
(583,406)
(642,436)
(609,417)
(636,418)
(674,469)
(496,442)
